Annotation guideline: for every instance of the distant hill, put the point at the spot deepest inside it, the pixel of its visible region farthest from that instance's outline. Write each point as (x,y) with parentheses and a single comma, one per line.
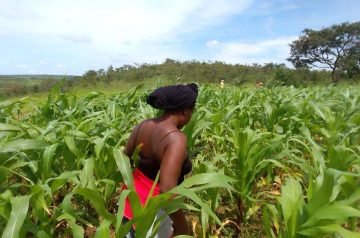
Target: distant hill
(35,77)
(12,85)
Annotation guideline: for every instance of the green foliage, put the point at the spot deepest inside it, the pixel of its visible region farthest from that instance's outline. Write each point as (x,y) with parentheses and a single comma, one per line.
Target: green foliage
(324,211)
(205,72)
(335,47)
(14,85)
(62,165)
(171,71)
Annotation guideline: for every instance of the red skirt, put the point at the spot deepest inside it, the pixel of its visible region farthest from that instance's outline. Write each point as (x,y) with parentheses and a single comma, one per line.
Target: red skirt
(142,186)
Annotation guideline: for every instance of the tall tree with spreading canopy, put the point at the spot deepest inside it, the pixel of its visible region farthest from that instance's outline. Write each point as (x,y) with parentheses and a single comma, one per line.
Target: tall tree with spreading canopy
(336,48)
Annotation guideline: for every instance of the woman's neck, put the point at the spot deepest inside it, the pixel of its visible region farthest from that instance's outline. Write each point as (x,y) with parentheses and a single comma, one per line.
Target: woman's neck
(170,119)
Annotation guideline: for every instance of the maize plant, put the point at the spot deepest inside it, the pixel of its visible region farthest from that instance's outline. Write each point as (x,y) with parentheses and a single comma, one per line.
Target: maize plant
(329,204)
(279,162)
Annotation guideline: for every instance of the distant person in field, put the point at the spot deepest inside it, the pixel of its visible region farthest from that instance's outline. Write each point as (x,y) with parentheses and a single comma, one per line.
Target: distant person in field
(222,84)
(164,149)
(259,84)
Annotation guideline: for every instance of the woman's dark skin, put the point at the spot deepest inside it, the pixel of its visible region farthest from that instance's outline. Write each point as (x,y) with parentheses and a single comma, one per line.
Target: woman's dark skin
(170,150)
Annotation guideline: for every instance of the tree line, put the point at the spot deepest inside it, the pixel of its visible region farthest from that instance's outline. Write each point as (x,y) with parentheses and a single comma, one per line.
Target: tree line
(208,72)
(320,56)
(317,54)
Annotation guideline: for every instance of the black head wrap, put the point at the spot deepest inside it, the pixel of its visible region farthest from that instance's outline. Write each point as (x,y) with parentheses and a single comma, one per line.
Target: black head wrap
(175,97)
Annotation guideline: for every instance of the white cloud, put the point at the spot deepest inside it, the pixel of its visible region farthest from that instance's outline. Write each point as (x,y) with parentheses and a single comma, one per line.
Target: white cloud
(114,21)
(215,11)
(76,38)
(275,6)
(101,31)
(212,43)
(121,32)
(274,50)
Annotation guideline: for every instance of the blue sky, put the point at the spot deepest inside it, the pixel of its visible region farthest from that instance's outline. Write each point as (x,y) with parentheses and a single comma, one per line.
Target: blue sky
(73,36)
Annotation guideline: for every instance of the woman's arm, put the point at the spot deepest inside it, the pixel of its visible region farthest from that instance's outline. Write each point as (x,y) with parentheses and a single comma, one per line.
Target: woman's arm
(131,143)
(171,164)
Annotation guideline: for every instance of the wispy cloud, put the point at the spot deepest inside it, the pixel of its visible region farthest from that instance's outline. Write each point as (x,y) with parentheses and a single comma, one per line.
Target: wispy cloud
(140,29)
(13,12)
(76,38)
(274,50)
(212,43)
(275,6)
(87,34)
(116,21)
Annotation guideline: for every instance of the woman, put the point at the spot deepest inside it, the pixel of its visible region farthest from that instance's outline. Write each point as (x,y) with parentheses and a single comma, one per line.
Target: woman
(163,147)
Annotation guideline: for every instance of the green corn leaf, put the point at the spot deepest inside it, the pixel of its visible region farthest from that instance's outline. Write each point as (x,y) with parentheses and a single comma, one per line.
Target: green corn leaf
(125,229)
(338,213)
(48,155)
(77,134)
(42,234)
(208,178)
(204,221)
(146,218)
(97,202)
(136,206)
(87,179)
(150,195)
(99,144)
(123,163)
(352,199)
(109,187)
(189,194)
(5,171)
(22,144)
(291,201)
(323,188)
(19,208)
(4,134)
(201,127)
(9,127)
(175,205)
(6,196)
(38,199)
(59,181)
(65,176)
(103,231)
(329,229)
(70,142)
(267,221)
(121,207)
(77,231)
(69,210)
(211,185)
(135,155)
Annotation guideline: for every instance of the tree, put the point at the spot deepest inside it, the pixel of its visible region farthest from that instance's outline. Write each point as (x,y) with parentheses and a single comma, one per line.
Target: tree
(90,76)
(336,48)
(110,74)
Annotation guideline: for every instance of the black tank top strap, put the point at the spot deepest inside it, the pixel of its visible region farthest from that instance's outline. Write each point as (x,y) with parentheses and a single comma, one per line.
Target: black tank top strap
(167,133)
(150,167)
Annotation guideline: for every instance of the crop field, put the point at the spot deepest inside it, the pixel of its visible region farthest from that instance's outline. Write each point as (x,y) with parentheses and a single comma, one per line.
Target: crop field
(267,162)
